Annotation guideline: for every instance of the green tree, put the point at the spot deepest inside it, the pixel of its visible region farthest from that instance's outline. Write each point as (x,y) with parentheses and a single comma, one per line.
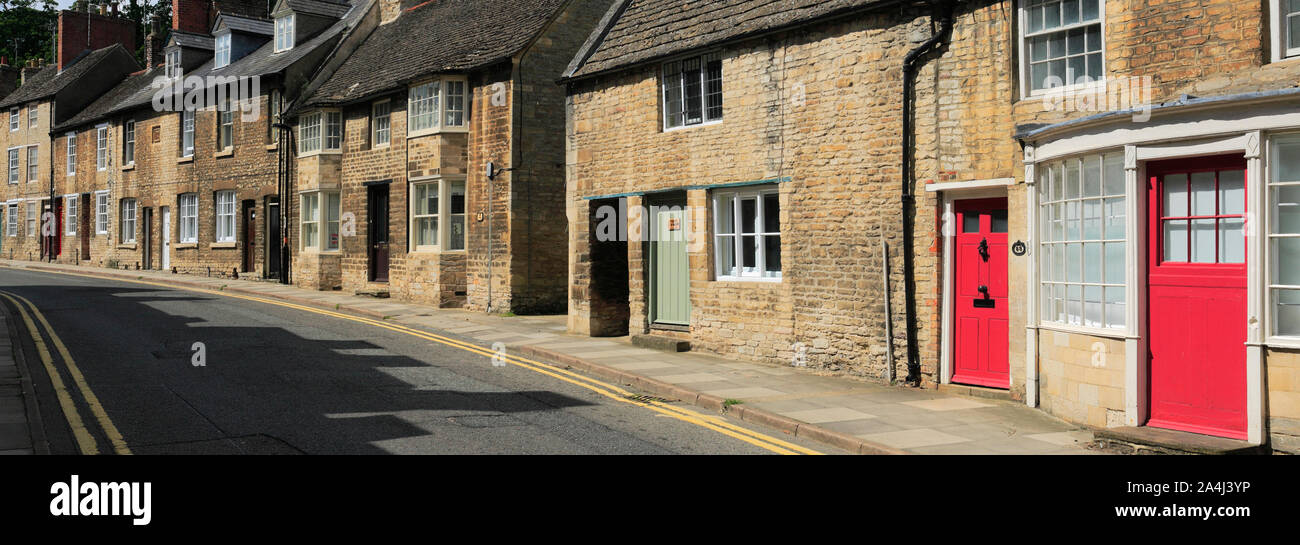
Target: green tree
(27,29)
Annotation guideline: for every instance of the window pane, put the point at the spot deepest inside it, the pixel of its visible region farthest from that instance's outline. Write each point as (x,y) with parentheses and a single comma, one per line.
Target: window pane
(771,213)
(1203,194)
(1175,188)
(1059,301)
(1073,305)
(998,221)
(727,256)
(1232,192)
(1203,235)
(1074,45)
(1092,310)
(970,221)
(427,232)
(691,84)
(1092,262)
(1288,261)
(1287,312)
(1058,262)
(1115,307)
(1058,222)
(1092,219)
(1232,240)
(749,252)
(1070,11)
(1293,32)
(673,94)
(1090,11)
(1114,263)
(1071,179)
(1176,240)
(726,215)
(1287,162)
(1092,177)
(1115,211)
(1038,49)
(1073,262)
(713,88)
(1035,18)
(1287,199)
(1072,220)
(1045,262)
(772,256)
(1051,16)
(748,215)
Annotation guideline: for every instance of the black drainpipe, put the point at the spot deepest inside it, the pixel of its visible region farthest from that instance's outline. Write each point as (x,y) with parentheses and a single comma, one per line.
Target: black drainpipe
(943,12)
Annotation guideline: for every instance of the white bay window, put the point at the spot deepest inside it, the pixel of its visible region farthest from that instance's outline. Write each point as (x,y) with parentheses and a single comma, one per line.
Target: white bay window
(438,216)
(436,105)
(1284,237)
(320,220)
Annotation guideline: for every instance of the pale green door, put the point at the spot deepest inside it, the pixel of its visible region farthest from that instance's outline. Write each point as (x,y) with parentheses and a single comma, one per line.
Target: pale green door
(670,282)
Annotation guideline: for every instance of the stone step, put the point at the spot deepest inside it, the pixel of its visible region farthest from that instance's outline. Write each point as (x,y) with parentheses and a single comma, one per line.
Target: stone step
(661,343)
(378,294)
(1162,441)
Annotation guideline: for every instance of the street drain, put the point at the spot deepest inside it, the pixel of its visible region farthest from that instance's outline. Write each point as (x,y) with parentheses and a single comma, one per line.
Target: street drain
(648,399)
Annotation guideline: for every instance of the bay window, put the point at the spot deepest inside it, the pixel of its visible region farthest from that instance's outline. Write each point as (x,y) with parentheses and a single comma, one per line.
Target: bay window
(1082,249)
(438,216)
(1284,237)
(437,104)
(747,234)
(319,131)
(188,204)
(126,219)
(226,216)
(692,91)
(1061,43)
(320,220)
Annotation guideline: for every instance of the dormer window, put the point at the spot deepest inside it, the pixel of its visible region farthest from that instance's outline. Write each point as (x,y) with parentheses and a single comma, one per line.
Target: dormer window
(284,33)
(173,67)
(222,56)
(436,105)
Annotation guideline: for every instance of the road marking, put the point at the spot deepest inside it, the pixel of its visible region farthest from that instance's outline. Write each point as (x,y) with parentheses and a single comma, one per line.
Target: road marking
(714,423)
(85,441)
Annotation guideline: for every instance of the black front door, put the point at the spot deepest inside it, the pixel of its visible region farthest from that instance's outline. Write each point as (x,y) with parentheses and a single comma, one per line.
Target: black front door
(146,242)
(377,229)
(249,229)
(273,240)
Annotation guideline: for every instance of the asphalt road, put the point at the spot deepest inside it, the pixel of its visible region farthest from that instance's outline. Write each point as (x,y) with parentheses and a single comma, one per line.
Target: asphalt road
(284,381)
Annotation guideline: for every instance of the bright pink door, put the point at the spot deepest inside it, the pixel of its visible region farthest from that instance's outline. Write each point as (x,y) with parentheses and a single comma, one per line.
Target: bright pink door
(1197,295)
(980,323)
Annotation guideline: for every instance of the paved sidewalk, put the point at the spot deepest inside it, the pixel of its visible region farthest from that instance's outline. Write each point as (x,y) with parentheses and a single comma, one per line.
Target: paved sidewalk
(851,414)
(15,433)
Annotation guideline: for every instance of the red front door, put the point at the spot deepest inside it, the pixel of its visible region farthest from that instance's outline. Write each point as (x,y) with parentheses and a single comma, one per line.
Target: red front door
(1197,295)
(980,324)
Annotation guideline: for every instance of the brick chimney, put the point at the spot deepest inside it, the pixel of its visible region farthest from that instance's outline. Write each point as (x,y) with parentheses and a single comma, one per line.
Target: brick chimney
(79,31)
(389,10)
(33,66)
(192,15)
(153,46)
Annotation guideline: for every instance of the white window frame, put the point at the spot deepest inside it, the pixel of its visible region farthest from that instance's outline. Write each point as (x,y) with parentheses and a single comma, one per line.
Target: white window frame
(430,114)
(332,131)
(33,163)
(319,231)
(1272,266)
(680,85)
(101,212)
(225,216)
(187,206)
(1023,37)
(221,54)
(187,133)
(13,119)
(385,128)
(101,147)
(1281,30)
(70,215)
(284,32)
(444,218)
(30,219)
(756,193)
(70,151)
(1048,199)
(126,210)
(14,173)
(309,133)
(128,142)
(11,220)
(33,116)
(173,69)
(225,126)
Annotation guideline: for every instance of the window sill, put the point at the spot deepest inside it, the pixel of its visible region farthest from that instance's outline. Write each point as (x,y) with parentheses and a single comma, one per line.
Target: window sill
(315,251)
(1283,342)
(186,245)
(695,126)
(185,159)
(747,280)
(223,245)
(439,130)
(130,166)
(273,147)
(128,246)
(318,153)
(228,152)
(1092,87)
(427,252)
(1119,334)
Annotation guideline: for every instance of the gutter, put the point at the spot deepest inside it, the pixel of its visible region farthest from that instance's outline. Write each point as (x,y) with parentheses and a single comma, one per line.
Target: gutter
(944,13)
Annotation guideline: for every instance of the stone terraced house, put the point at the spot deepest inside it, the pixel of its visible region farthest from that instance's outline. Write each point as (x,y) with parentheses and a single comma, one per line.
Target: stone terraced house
(395,138)
(1090,206)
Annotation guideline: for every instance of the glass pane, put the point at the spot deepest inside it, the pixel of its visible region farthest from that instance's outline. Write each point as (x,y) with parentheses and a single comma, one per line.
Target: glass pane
(1045,262)
(1092,262)
(1232,192)
(1073,305)
(1073,261)
(1070,11)
(1071,179)
(1046,303)
(772,256)
(1058,262)
(726,215)
(1074,43)
(427,232)
(1035,16)
(1175,188)
(727,256)
(1092,219)
(1058,222)
(1092,177)
(1038,49)
(1203,197)
(1058,183)
(1287,162)
(1090,11)
(1092,306)
(1287,200)
(457,191)
(1059,301)
(1232,240)
(1293,24)
(1072,220)
(749,252)
(1115,307)
(1288,261)
(1051,16)
(309,235)
(970,221)
(1203,235)
(1287,312)
(998,221)
(457,232)
(1115,211)
(771,213)
(1175,240)
(1114,263)
(748,215)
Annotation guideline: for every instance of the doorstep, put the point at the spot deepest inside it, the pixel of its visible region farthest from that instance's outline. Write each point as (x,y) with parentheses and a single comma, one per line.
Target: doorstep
(975,391)
(1175,442)
(661,343)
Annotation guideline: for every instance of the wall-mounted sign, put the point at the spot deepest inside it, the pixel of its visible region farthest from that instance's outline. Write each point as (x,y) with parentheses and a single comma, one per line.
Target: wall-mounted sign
(1019,248)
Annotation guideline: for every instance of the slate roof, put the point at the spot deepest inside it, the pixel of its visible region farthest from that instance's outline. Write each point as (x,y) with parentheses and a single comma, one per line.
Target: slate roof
(435,37)
(639,31)
(247,25)
(98,109)
(50,80)
(256,9)
(318,7)
(192,40)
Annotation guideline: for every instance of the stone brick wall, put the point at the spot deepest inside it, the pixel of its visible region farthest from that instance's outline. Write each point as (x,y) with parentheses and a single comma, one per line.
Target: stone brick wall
(1081,378)
(27,243)
(1283,407)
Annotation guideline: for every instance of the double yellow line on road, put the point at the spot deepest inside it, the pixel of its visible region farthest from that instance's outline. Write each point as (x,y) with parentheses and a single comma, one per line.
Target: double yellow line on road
(86,442)
(711,422)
